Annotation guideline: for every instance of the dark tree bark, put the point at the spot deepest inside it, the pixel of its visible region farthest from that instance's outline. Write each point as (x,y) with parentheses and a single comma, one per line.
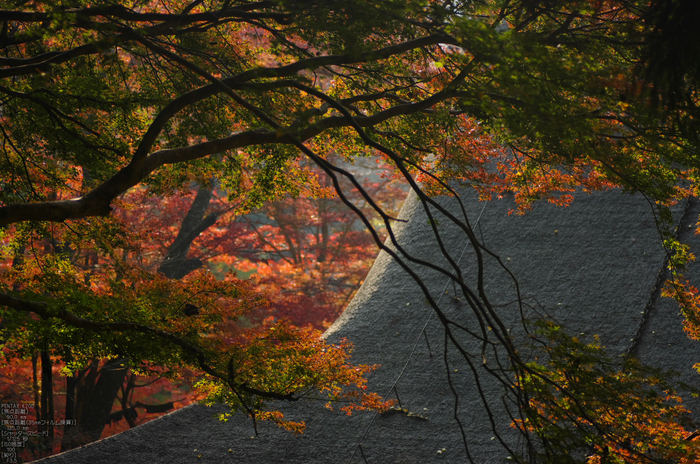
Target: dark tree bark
(35,385)
(176,264)
(71,385)
(47,411)
(92,392)
(96,402)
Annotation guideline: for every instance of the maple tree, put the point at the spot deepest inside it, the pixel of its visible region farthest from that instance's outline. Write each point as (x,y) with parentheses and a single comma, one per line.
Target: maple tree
(308,254)
(103,100)
(308,269)
(312,254)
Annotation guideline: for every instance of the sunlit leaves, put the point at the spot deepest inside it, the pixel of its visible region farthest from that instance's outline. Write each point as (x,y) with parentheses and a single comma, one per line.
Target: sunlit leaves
(144,101)
(588,408)
(283,358)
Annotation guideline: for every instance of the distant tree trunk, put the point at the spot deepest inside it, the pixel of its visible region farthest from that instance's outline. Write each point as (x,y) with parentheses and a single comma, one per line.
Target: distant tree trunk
(46,427)
(35,385)
(71,403)
(91,393)
(79,388)
(95,402)
(325,230)
(128,413)
(176,265)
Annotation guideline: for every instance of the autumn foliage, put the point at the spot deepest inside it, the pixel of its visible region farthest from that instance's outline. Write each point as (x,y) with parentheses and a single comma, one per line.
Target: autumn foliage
(176,180)
(304,259)
(588,407)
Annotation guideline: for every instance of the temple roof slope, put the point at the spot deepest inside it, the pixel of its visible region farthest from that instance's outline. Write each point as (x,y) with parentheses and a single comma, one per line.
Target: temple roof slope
(592,266)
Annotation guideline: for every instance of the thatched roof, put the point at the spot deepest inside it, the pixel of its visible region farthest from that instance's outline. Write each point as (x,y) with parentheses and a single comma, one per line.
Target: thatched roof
(592,266)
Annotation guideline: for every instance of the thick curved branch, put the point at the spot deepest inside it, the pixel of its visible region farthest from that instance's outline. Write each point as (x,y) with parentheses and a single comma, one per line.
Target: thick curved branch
(97,202)
(235,82)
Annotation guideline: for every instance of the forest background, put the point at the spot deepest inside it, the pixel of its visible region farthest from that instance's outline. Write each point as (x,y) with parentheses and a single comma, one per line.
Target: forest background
(150,147)
(307,256)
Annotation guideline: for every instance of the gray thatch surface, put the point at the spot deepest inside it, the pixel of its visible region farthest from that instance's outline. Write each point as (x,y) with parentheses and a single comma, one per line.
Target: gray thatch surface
(592,266)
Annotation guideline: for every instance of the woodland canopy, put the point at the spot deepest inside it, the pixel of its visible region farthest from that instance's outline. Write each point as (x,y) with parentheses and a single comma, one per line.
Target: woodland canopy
(112,111)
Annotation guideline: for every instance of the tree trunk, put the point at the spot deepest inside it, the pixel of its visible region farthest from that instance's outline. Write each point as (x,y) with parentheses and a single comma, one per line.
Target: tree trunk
(176,265)
(94,393)
(92,396)
(35,385)
(47,413)
(71,386)
(95,409)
